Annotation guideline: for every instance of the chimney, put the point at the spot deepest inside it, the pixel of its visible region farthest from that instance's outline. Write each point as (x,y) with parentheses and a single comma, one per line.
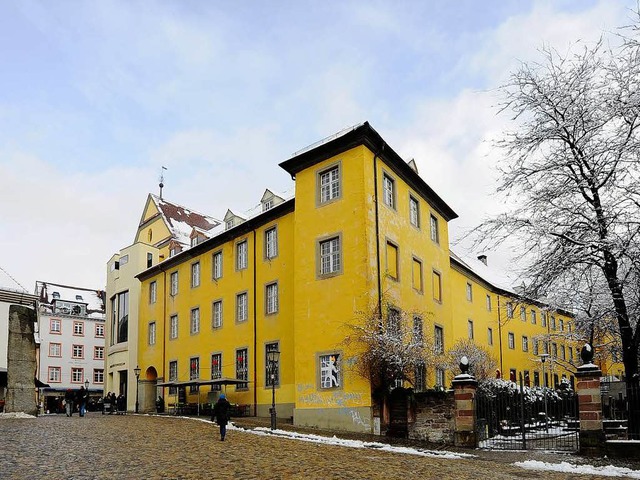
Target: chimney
(483,258)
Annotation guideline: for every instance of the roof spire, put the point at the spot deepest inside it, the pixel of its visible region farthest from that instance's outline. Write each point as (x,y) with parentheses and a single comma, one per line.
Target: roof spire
(162,180)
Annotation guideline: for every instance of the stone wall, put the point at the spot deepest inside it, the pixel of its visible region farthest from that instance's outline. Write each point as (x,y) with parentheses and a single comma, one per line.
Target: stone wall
(21,361)
(434,417)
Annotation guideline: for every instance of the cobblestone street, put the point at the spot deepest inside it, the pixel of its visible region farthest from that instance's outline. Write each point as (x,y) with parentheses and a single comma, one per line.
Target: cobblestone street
(146,447)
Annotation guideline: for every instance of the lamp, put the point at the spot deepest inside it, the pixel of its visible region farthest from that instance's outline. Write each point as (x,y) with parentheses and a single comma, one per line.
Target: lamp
(272,359)
(86,384)
(137,373)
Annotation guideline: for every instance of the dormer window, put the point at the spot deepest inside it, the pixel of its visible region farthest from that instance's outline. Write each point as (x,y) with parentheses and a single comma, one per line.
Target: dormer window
(229,224)
(194,241)
(56,295)
(124,260)
(267,205)
(79,298)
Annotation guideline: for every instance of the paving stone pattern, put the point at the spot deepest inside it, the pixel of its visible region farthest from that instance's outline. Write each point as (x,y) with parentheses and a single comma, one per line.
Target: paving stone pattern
(152,447)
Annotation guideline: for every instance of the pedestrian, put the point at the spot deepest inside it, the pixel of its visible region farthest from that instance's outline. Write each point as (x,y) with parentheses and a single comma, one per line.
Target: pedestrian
(113,403)
(68,402)
(221,414)
(82,398)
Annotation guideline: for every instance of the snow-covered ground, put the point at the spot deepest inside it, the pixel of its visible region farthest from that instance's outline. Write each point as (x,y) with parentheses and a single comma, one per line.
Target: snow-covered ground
(15,415)
(605,471)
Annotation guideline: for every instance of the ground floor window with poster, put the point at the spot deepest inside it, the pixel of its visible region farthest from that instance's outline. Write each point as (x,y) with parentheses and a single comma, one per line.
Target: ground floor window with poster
(242,368)
(194,373)
(216,370)
(173,375)
(330,376)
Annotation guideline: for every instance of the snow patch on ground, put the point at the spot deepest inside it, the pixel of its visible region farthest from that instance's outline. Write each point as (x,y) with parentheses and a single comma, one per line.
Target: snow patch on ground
(566,467)
(15,415)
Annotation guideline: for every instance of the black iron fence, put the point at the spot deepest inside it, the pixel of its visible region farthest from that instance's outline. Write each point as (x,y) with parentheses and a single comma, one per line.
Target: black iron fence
(511,416)
(620,409)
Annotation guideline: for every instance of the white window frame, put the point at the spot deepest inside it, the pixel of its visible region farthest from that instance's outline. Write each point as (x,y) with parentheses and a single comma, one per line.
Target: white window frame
(434,232)
(98,375)
(173,327)
(152,333)
(525,343)
(242,307)
(511,340)
(489,336)
(470,329)
(469,290)
(77,351)
(98,352)
(54,374)
(55,349)
(173,278)
(195,274)
(488,303)
(78,329)
(77,375)
(242,250)
(217,265)
(389,191)
(55,326)
(330,256)
(271,243)
(99,330)
(194,322)
(216,314)
(271,298)
(153,292)
(414,211)
(329,184)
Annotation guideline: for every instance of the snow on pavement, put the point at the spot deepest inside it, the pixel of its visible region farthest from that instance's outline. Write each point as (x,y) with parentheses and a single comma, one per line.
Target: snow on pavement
(566,467)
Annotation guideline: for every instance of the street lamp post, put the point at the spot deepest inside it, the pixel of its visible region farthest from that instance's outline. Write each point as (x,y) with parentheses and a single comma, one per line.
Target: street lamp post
(272,359)
(137,372)
(543,358)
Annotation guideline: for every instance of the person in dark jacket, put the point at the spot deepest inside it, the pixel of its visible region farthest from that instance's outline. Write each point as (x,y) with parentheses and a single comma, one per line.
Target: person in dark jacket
(82,397)
(69,397)
(221,414)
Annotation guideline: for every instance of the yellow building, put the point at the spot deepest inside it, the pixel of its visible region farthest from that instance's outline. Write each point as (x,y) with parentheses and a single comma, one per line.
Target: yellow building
(363,226)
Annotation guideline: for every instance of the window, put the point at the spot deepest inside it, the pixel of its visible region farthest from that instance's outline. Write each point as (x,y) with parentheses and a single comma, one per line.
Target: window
(392,260)
(490,336)
(329,183)
(98,375)
(54,326)
(433,229)
(195,274)
(124,260)
(523,314)
(330,256)
(149,260)
(563,353)
(98,352)
(440,377)
(438,339)
(437,286)
(509,310)
(535,347)
(416,275)
(525,343)
(55,349)
(174,283)
(229,224)
(553,322)
(488,302)
(216,370)
(272,298)
(153,292)
(469,292)
(54,374)
(536,379)
(271,243)
(78,328)
(545,345)
(194,372)
(512,374)
(173,327)
(418,331)
(420,383)
(512,341)
(533,317)
(120,317)
(216,310)
(554,349)
(152,333)
(388,191)
(561,325)
(195,321)
(173,375)
(100,330)
(77,375)
(393,323)
(330,370)
(242,367)
(272,371)
(414,211)
(570,354)
(241,307)
(77,351)
(241,255)
(267,205)
(470,329)
(543,319)
(217,265)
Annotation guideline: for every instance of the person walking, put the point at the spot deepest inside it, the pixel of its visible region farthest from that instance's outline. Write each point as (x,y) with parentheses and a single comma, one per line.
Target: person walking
(68,402)
(221,414)
(81,398)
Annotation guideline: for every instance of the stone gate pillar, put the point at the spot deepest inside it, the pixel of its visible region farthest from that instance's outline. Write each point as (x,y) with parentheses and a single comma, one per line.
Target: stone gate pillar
(592,438)
(21,361)
(464,393)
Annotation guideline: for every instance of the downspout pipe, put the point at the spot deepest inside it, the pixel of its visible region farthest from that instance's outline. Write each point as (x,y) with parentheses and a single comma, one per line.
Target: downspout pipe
(500,336)
(255,331)
(377,222)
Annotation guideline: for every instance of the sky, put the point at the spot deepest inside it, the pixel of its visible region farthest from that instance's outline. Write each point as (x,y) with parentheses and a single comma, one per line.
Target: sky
(95,97)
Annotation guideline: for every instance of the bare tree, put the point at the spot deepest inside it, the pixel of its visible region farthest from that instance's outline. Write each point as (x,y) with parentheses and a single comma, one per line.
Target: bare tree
(481,364)
(389,345)
(571,172)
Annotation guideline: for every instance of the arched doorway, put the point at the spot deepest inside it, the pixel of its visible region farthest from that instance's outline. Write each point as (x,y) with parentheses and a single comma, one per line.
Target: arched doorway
(148,390)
